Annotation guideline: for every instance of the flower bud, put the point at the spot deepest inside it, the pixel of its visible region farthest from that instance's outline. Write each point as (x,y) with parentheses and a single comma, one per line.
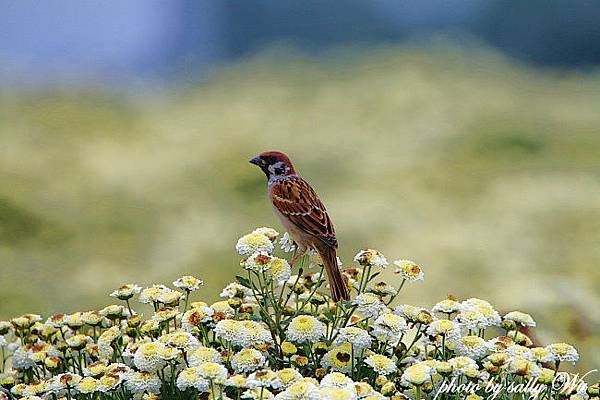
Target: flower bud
(509,325)
(424,317)
(234,303)
(381,380)
(320,372)
(300,361)
(388,389)
(320,348)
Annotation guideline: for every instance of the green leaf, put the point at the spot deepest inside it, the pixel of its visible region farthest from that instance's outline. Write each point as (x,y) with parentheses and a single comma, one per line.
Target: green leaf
(243,281)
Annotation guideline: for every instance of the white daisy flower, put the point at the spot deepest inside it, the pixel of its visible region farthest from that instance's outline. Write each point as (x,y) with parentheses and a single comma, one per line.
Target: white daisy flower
(301,390)
(195,317)
(212,371)
(409,270)
(564,352)
(189,283)
(190,378)
(280,270)
(336,380)
(381,364)
(338,394)
(254,243)
(339,358)
(247,360)
(147,357)
(447,306)
(444,327)
(520,318)
(357,337)
(235,289)
(202,354)
(230,330)
(126,292)
(417,374)
(263,378)
(268,232)
(471,346)
(370,257)
(305,328)
(369,305)
(389,326)
(258,262)
(144,381)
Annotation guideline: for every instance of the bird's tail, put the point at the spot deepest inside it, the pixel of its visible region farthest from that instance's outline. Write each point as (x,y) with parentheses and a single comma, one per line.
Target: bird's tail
(339,288)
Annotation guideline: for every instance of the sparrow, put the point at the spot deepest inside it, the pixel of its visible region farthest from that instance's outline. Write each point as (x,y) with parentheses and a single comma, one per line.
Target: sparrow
(303,215)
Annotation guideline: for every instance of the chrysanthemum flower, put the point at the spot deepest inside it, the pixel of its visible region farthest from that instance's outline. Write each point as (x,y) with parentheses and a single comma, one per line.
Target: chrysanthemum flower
(180,340)
(109,382)
(337,380)
(417,374)
(96,368)
(147,356)
(258,262)
(461,363)
(516,350)
(564,352)
(409,270)
(280,271)
(381,364)
(212,371)
(230,330)
(447,306)
(254,334)
(389,326)
(222,309)
(254,243)
(126,291)
(144,381)
(339,358)
(472,319)
(524,367)
(444,327)
(151,294)
(189,283)
(264,378)
(257,394)
(520,318)
(288,376)
(268,232)
(369,305)
(247,360)
(357,337)
(88,385)
(300,391)
(195,317)
(166,314)
(370,257)
(190,378)
(170,298)
(305,328)
(471,346)
(337,394)
(235,289)
(202,354)
(541,355)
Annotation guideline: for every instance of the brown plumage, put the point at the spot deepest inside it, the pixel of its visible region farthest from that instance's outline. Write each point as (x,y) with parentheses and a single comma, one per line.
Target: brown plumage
(303,215)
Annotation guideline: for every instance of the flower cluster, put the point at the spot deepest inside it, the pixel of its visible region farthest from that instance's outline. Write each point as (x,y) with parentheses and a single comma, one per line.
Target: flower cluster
(275,335)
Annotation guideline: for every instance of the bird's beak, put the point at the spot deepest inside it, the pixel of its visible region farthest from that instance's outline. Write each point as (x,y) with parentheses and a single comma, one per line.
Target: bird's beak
(256,161)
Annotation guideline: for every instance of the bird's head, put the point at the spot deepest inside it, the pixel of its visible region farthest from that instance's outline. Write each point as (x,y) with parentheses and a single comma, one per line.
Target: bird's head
(274,163)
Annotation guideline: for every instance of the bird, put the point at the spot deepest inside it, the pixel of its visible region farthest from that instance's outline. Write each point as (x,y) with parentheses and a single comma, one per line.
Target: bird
(303,215)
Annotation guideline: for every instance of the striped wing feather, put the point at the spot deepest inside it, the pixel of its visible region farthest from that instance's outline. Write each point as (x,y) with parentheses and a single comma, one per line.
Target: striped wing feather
(295,199)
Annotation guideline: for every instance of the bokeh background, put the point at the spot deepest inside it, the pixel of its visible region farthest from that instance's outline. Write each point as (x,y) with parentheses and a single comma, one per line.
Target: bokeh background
(462,134)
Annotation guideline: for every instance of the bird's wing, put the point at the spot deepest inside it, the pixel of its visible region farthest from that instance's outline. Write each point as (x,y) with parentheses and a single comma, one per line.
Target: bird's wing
(296,200)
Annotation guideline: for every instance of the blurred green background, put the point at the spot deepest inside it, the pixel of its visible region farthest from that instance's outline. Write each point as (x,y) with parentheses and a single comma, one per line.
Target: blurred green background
(483,171)
(462,134)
